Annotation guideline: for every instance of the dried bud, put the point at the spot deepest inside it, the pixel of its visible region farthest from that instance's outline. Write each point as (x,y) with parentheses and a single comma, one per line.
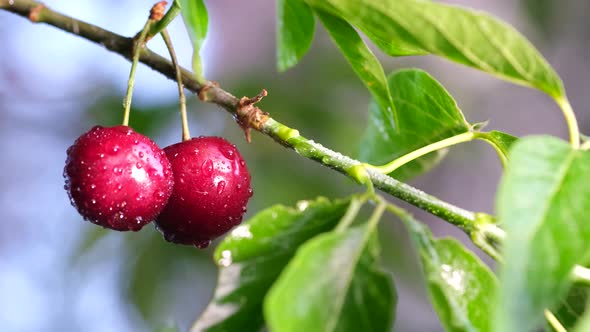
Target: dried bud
(158,11)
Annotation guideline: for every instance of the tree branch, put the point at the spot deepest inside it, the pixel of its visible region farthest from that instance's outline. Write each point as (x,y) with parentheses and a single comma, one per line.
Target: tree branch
(211,92)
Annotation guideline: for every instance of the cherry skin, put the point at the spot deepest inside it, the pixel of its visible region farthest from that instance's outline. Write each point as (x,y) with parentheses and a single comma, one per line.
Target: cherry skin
(211,191)
(117,178)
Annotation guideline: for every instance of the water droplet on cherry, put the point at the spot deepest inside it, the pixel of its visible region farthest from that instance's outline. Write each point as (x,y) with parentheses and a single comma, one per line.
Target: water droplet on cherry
(220,187)
(207,167)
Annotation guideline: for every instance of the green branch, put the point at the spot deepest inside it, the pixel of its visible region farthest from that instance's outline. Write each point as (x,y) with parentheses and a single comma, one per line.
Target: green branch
(210,92)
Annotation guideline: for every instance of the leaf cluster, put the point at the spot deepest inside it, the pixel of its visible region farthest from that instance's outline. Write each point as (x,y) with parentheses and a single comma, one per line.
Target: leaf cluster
(316,267)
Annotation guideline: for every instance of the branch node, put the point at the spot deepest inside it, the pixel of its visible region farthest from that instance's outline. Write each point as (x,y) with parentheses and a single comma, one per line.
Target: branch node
(205,88)
(158,11)
(136,45)
(245,101)
(35,13)
(249,116)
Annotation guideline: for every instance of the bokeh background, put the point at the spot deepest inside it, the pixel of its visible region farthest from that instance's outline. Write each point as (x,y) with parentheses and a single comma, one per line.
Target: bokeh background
(58,273)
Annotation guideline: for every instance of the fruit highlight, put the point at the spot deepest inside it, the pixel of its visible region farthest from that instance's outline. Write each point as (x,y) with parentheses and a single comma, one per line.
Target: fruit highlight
(117,178)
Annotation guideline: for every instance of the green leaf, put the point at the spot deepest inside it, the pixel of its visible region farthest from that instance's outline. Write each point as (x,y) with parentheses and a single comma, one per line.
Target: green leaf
(472,38)
(584,322)
(334,283)
(500,141)
(295,30)
(424,113)
(543,204)
(460,285)
(572,307)
(194,14)
(362,60)
(253,256)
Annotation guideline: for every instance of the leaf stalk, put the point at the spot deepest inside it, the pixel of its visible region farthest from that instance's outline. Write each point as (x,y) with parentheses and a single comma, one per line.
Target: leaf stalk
(572,122)
(399,162)
(353,209)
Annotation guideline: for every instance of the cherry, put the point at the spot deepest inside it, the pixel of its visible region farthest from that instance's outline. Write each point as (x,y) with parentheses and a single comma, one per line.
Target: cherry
(211,190)
(117,178)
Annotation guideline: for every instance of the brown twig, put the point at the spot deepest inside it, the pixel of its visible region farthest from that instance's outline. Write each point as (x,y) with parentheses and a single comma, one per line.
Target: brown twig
(120,45)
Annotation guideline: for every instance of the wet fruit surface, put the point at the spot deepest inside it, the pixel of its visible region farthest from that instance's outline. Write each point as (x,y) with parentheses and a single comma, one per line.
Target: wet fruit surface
(117,178)
(211,191)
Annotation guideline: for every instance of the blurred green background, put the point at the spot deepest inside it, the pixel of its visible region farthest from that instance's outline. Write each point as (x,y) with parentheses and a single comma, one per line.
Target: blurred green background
(58,273)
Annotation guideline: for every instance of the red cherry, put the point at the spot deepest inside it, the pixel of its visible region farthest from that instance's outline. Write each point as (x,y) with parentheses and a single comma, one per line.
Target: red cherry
(117,178)
(211,191)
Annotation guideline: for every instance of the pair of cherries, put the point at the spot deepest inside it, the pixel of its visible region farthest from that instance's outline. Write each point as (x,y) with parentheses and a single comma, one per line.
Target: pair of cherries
(195,190)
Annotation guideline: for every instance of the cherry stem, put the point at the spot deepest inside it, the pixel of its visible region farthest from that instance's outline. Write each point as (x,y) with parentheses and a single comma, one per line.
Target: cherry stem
(137,48)
(186,135)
